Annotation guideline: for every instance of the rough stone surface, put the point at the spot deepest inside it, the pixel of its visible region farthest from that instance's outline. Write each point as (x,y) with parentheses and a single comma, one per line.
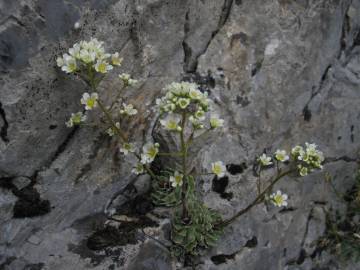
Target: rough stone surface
(281,73)
(7,202)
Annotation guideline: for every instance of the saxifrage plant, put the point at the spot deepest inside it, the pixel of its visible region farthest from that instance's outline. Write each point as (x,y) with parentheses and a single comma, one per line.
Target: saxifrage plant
(186,112)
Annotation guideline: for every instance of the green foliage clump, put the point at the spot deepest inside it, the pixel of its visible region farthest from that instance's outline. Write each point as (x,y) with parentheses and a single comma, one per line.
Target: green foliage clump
(163,194)
(200,231)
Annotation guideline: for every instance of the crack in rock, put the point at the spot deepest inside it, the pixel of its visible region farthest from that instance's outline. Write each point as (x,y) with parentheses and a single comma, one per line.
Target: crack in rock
(310,216)
(192,67)
(302,255)
(342,48)
(187,49)
(14,19)
(342,158)
(5,126)
(314,92)
(98,143)
(61,148)
(223,258)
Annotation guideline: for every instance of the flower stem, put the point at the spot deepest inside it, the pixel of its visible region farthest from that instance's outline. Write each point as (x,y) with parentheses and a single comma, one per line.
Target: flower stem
(184,167)
(93,84)
(259,182)
(117,97)
(111,121)
(171,154)
(257,200)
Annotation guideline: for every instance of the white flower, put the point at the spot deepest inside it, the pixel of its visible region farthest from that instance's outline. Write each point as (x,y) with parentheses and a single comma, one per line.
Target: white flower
(196,122)
(150,151)
(69,64)
(60,61)
(169,107)
(265,160)
(75,51)
(76,119)
(310,146)
(204,101)
(200,114)
(139,169)
(216,122)
(281,155)
(111,131)
(102,66)
(218,168)
(195,94)
(96,47)
(87,56)
(87,52)
(171,122)
(279,199)
(90,101)
(183,102)
(159,101)
(126,78)
(115,59)
(127,148)
(128,109)
(182,88)
(176,180)
(303,171)
(298,152)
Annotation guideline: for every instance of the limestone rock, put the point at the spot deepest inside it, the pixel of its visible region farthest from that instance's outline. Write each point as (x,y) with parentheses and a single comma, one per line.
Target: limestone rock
(281,73)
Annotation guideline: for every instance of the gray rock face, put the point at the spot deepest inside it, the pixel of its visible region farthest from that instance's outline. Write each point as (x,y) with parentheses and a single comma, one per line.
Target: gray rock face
(7,201)
(281,73)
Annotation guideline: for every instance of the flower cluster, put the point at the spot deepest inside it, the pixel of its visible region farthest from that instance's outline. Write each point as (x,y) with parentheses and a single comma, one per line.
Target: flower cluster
(303,160)
(309,158)
(90,61)
(88,54)
(186,98)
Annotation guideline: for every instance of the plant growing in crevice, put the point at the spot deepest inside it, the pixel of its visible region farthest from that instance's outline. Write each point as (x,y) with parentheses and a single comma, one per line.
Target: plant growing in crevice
(185,112)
